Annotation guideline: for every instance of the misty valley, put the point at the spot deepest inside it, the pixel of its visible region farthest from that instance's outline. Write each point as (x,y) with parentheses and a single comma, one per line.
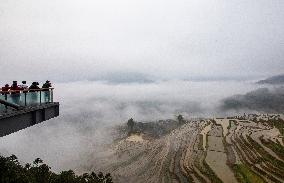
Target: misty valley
(161,131)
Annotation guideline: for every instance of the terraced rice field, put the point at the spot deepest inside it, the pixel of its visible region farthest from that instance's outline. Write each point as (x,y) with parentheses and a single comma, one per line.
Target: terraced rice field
(208,150)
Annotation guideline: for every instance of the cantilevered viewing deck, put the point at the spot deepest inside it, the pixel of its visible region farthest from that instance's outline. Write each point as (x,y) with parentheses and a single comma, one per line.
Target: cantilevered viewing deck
(20,109)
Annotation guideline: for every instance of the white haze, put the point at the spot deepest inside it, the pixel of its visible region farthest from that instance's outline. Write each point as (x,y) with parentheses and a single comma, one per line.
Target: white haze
(88,108)
(69,40)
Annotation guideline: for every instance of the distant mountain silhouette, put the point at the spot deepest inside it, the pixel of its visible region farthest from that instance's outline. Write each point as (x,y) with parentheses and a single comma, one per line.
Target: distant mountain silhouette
(262,100)
(124,77)
(279,79)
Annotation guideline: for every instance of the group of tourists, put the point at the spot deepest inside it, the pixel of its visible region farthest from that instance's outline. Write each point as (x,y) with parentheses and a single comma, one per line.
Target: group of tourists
(33,89)
(15,88)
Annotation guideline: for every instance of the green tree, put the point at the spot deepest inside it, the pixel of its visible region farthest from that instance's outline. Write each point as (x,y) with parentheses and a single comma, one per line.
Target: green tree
(11,171)
(130,124)
(180,119)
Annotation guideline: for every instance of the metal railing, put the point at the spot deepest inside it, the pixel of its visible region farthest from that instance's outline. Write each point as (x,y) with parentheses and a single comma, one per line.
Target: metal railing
(27,97)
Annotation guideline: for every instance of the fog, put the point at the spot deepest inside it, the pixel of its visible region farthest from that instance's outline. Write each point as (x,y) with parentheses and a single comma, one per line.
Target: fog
(89,108)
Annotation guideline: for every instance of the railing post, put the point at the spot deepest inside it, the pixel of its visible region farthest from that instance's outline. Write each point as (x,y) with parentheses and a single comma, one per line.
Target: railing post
(6,100)
(40,97)
(25,98)
(51,95)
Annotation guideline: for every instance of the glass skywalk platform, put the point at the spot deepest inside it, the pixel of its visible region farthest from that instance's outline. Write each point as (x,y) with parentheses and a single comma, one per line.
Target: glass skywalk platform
(23,108)
(26,98)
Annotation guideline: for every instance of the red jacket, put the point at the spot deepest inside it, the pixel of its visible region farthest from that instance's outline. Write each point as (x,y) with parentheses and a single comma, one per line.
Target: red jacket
(15,87)
(5,89)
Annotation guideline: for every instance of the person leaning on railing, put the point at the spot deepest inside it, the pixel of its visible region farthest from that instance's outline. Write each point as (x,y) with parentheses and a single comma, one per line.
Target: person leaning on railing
(5,89)
(15,92)
(15,89)
(45,89)
(24,86)
(46,86)
(33,89)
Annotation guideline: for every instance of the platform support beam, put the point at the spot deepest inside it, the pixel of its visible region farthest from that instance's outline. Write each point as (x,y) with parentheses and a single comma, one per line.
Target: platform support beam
(21,119)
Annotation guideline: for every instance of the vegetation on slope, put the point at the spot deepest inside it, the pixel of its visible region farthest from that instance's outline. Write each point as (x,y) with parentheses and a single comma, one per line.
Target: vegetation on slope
(11,171)
(275,147)
(245,175)
(153,129)
(266,156)
(277,123)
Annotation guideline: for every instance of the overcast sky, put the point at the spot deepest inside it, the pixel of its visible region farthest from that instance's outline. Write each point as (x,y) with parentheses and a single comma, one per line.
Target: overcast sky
(68,40)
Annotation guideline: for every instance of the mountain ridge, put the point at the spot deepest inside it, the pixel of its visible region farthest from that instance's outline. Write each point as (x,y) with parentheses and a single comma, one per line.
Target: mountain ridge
(278,79)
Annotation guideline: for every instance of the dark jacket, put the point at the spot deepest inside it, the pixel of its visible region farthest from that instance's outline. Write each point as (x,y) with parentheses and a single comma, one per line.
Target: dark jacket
(46,86)
(33,87)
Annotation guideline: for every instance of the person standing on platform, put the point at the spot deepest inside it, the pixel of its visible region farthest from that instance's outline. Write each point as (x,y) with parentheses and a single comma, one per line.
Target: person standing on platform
(5,89)
(46,91)
(15,92)
(24,86)
(33,89)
